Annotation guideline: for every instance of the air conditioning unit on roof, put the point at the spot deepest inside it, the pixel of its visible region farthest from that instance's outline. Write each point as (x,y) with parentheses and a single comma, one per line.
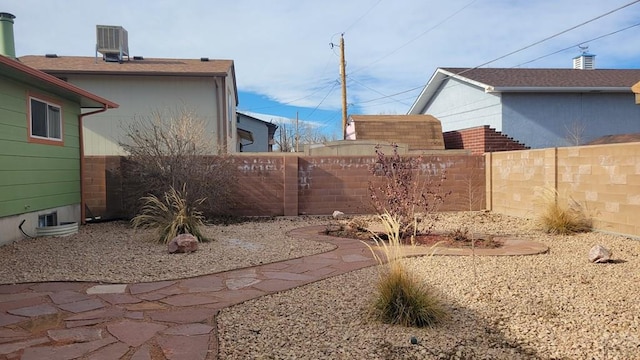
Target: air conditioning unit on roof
(112,42)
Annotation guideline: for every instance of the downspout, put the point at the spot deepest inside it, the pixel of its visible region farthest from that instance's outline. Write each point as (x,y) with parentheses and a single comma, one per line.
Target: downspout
(219,121)
(81,136)
(225,115)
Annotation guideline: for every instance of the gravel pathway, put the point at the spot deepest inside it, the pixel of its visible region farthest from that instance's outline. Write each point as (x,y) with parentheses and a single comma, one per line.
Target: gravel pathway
(551,306)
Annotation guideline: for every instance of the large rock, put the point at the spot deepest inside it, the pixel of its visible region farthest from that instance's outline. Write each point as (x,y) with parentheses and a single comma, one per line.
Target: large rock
(599,254)
(183,243)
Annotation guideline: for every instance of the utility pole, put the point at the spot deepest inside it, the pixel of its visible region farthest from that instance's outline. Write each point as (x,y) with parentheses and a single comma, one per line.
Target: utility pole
(343,76)
(297,133)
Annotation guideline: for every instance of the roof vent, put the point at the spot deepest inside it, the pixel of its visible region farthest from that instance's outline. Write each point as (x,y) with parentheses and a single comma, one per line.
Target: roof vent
(7,42)
(585,61)
(112,42)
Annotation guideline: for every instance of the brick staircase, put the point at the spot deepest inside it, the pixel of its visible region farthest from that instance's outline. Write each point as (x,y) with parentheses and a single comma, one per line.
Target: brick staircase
(481,139)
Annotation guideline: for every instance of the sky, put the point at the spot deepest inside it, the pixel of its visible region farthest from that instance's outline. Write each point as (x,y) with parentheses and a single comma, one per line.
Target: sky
(286,52)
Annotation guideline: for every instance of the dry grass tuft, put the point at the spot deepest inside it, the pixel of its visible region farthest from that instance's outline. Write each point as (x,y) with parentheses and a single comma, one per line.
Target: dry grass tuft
(562,217)
(401,299)
(170,216)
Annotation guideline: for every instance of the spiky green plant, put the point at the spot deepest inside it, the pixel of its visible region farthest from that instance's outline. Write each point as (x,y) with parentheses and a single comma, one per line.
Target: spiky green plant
(170,216)
(401,299)
(562,217)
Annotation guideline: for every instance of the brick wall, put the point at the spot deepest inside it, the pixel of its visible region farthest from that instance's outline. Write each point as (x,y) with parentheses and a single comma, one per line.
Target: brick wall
(480,140)
(102,173)
(273,185)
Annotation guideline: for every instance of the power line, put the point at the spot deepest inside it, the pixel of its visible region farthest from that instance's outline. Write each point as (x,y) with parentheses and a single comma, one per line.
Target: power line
(557,34)
(521,49)
(324,98)
(361,17)
(578,44)
(374,90)
(329,83)
(417,37)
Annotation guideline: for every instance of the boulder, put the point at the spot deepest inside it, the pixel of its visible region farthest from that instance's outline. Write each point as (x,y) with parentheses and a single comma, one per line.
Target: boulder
(599,254)
(338,214)
(183,243)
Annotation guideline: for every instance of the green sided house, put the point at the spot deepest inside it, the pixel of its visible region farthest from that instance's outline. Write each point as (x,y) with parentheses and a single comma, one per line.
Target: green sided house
(40,148)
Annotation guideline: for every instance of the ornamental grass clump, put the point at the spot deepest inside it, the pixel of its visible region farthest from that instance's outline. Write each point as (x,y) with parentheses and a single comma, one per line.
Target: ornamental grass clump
(562,218)
(401,298)
(171,216)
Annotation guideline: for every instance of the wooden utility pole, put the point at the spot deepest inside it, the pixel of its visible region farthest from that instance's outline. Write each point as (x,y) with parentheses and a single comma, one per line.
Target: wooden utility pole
(297,133)
(343,76)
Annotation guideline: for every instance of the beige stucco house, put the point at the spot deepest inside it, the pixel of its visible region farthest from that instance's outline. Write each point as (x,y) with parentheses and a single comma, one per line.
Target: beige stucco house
(142,85)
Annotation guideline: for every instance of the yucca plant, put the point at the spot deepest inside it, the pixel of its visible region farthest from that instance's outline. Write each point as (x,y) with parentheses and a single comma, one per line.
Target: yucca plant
(170,216)
(562,218)
(401,298)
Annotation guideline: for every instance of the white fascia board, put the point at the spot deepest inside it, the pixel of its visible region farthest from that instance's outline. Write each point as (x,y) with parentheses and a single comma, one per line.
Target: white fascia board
(432,86)
(465,79)
(538,89)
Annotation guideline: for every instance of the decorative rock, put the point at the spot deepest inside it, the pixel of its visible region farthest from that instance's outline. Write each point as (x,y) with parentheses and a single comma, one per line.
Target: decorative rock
(599,254)
(183,243)
(338,214)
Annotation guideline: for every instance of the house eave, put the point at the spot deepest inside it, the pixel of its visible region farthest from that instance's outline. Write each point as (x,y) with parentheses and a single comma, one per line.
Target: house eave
(135,73)
(433,85)
(17,70)
(564,89)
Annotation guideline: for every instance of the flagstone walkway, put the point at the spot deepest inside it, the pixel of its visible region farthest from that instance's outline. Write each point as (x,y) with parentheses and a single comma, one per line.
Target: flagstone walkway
(172,319)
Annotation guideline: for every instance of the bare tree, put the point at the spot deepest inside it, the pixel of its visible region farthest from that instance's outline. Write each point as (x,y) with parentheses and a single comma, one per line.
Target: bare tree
(575,133)
(286,136)
(171,148)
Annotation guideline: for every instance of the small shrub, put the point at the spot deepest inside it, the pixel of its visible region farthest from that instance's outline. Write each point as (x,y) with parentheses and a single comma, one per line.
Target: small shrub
(401,298)
(400,192)
(170,148)
(358,224)
(562,218)
(170,216)
(460,234)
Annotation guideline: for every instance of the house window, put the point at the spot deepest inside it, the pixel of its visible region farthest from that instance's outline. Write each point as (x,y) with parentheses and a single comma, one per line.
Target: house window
(48,220)
(45,121)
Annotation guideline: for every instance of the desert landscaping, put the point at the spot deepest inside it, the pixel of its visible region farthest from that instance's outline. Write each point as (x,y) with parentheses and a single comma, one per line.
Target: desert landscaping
(556,305)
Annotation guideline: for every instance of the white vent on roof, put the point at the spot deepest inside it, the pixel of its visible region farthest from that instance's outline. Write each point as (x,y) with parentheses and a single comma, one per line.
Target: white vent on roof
(112,42)
(584,62)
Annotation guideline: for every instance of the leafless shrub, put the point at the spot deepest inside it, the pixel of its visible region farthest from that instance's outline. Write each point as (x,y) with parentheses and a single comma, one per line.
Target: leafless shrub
(400,192)
(171,148)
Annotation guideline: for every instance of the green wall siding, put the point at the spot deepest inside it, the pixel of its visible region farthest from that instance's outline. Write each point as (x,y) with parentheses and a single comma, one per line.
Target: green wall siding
(35,176)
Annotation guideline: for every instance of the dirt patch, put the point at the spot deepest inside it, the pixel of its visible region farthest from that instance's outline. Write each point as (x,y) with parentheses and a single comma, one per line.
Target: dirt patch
(454,239)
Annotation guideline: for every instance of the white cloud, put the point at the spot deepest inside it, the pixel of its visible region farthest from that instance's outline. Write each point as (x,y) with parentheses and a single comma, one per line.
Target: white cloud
(281,48)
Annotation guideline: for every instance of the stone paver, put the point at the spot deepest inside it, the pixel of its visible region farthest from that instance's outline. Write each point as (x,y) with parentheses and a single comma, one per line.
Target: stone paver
(134,333)
(33,311)
(82,306)
(184,347)
(107,289)
(169,319)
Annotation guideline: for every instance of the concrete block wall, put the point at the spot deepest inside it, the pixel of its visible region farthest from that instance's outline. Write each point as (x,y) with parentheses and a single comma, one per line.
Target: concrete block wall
(290,185)
(94,184)
(604,178)
(480,140)
(260,187)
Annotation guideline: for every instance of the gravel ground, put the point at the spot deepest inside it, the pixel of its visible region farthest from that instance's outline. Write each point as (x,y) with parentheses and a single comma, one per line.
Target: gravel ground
(551,306)
(112,252)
